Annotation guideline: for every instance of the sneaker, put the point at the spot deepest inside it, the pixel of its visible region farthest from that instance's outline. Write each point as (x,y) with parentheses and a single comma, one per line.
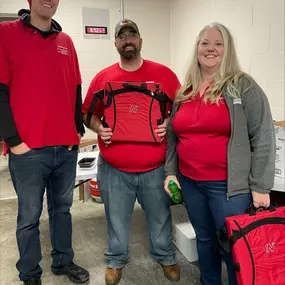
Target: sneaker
(33,281)
(75,273)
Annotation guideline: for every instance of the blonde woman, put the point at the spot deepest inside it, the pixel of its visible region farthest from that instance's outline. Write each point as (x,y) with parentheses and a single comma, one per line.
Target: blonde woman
(221,143)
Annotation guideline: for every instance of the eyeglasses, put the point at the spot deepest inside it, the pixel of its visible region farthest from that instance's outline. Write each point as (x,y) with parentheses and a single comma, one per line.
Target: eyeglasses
(131,36)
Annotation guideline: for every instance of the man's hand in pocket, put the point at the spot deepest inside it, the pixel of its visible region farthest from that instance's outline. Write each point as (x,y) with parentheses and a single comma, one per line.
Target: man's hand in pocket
(20,149)
(71,146)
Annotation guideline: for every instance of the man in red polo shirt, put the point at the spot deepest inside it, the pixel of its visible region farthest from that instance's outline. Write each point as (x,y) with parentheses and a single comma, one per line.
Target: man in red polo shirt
(126,170)
(40,123)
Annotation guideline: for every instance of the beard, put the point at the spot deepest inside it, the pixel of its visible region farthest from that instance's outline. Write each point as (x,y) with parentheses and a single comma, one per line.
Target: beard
(129,54)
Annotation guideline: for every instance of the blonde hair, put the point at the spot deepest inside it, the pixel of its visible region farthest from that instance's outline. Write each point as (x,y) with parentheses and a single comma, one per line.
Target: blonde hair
(228,74)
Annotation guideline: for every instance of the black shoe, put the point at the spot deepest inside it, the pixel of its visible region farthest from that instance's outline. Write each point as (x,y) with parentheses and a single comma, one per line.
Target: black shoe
(75,273)
(33,281)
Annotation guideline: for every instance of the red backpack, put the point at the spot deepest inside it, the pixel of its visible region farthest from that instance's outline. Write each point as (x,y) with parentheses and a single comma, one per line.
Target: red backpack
(257,241)
(133,110)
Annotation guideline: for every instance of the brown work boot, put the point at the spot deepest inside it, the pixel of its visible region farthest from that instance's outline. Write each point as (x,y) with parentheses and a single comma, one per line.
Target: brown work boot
(113,276)
(172,272)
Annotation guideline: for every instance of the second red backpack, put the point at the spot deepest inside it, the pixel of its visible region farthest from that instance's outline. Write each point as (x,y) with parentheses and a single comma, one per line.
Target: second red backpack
(258,246)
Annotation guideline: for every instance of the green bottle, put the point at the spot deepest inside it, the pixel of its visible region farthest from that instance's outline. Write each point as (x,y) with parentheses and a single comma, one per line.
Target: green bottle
(175,192)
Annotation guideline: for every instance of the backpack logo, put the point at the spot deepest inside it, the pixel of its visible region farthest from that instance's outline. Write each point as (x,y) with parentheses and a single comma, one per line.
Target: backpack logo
(133,109)
(270,247)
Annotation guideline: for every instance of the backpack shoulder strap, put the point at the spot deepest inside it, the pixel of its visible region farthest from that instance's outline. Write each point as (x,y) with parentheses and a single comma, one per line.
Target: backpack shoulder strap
(99,95)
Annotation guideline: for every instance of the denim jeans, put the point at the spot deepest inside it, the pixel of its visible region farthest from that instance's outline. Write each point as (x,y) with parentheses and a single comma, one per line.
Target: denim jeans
(53,169)
(207,206)
(119,191)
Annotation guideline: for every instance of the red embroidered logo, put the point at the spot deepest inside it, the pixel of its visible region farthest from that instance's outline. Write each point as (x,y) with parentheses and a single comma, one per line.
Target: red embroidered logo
(133,109)
(270,247)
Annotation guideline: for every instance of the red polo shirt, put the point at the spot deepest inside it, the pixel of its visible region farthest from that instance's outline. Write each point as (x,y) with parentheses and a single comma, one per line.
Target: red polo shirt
(203,130)
(133,157)
(42,75)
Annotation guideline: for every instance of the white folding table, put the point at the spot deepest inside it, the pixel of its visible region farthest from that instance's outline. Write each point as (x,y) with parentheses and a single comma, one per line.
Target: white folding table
(83,175)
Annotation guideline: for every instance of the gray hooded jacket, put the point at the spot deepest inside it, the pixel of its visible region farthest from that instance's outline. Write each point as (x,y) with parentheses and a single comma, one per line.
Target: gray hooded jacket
(251,148)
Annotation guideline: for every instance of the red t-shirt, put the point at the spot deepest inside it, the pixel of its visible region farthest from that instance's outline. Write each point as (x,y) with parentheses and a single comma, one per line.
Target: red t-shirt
(42,75)
(203,130)
(133,157)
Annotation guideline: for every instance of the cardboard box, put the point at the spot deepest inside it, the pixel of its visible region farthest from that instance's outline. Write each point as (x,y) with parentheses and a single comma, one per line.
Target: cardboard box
(88,145)
(280,146)
(184,237)
(280,124)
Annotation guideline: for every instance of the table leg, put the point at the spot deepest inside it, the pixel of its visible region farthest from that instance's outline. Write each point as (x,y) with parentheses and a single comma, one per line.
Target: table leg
(81,191)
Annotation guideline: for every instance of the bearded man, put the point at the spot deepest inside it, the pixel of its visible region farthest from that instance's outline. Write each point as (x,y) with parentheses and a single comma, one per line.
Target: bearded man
(133,170)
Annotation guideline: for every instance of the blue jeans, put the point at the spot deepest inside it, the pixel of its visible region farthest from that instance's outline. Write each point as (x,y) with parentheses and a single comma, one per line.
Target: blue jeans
(119,191)
(53,169)
(207,206)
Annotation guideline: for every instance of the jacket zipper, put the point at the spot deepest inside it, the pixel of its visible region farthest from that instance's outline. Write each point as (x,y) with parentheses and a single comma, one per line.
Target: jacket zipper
(229,145)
